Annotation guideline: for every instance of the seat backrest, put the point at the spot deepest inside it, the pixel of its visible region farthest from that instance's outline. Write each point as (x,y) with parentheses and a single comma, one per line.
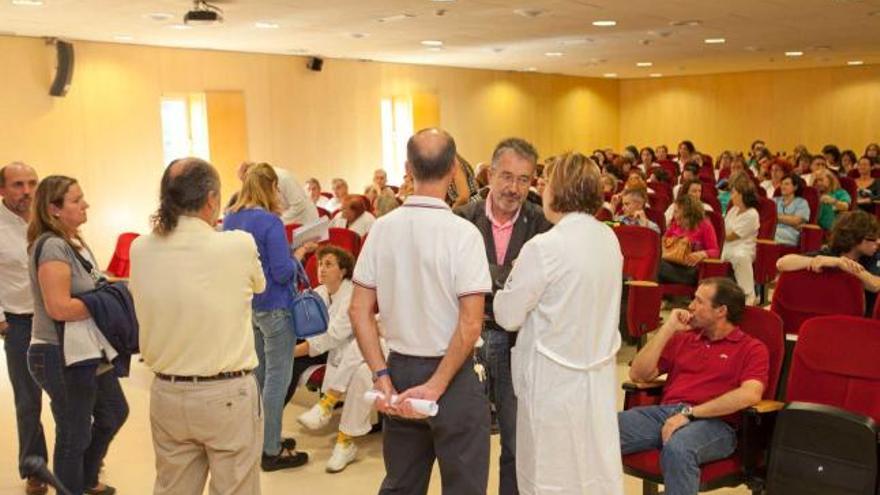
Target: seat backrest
(323,213)
(849,185)
(346,239)
(768,218)
(288,230)
(803,294)
(641,251)
(766,326)
(658,217)
(312,270)
(835,363)
(120,263)
(812,197)
(604,215)
(718,225)
(876,313)
(710,197)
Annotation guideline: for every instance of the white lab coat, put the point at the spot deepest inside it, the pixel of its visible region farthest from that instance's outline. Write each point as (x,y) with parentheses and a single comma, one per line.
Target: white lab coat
(564,297)
(741,252)
(296,207)
(347,371)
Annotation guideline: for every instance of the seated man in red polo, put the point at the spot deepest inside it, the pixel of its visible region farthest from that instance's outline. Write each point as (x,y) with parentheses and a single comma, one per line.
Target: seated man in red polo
(714,370)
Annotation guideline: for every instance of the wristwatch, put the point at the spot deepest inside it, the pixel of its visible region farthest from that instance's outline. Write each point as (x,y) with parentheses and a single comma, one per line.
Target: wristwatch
(688,412)
(380,373)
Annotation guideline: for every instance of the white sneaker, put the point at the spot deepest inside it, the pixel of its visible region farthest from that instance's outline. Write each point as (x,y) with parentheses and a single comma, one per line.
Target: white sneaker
(315,418)
(343,455)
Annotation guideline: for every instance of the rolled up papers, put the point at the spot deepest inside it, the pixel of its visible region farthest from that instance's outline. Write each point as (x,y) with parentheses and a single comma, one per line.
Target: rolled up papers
(421,406)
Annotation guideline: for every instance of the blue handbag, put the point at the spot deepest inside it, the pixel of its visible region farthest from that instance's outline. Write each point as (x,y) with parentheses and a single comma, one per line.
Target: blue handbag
(308,310)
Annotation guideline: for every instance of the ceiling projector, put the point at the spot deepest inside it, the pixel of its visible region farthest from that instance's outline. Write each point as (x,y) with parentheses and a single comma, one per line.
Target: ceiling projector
(203,13)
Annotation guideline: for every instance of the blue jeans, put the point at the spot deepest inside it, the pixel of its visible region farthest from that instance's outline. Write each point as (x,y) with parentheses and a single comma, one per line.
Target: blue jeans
(27,394)
(88,409)
(495,355)
(695,443)
(274,340)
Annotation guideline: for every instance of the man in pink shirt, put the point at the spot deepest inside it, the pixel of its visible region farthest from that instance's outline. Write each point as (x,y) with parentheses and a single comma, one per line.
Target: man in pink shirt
(506,221)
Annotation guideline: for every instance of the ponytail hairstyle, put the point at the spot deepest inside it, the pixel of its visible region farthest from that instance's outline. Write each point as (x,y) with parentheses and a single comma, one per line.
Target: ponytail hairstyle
(186,186)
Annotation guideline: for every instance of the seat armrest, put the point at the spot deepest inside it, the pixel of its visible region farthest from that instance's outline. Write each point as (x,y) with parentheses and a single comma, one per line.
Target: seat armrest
(756,434)
(636,386)
(641,283)
(712,261)
(642,393)
(769,242)
(765,406)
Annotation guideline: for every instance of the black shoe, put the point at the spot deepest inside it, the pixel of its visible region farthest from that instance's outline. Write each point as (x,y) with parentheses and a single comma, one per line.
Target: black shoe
(108,490)
(284,460)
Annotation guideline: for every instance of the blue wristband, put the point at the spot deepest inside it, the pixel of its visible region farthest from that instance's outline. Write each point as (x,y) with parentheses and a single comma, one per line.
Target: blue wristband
(380,373)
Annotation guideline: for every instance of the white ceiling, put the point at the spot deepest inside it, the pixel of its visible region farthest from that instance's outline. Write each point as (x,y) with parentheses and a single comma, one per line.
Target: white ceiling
(490,34)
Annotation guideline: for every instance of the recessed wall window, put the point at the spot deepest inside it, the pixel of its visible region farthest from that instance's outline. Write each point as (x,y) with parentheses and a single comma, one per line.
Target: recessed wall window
(184,126)
(397,127)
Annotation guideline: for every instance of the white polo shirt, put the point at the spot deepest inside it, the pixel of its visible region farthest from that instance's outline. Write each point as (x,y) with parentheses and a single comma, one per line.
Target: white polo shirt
(420,258)
(15,285)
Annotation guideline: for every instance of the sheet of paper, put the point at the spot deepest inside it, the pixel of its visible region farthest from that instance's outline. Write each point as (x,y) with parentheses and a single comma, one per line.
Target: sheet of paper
(317,231)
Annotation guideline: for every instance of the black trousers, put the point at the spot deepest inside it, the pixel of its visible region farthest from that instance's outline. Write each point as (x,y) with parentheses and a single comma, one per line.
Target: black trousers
(457,437)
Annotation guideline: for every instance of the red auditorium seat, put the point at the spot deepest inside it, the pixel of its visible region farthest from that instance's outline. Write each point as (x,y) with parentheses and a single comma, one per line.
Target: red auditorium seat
(346,239)
(849,185)
(803,294)
(288,230)
(825,440)
(745,464)
(766,251)
(641,259)
(312,270)
(323,213)
(120,263)
(657,216)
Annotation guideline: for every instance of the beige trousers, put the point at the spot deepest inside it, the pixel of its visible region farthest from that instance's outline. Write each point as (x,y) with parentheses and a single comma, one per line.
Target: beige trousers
(210,427)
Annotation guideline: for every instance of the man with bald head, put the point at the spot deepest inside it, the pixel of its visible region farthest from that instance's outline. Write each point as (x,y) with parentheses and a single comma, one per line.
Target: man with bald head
(193,288)
(427,270)
(18,182)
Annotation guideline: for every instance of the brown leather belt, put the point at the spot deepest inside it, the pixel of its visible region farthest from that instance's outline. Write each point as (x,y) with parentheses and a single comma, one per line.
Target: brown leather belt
(226,375)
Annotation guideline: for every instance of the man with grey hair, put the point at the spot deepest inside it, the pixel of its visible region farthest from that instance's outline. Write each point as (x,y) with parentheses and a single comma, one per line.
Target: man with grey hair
(428,273)
(18,182)
(193,287)
(506,221)
(340,191)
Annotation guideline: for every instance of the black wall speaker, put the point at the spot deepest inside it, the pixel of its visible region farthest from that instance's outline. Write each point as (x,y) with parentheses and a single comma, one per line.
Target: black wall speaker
(316,64)
(63,69)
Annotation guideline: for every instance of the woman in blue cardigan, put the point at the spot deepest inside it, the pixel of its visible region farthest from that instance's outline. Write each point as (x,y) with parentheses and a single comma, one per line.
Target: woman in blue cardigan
(257,211)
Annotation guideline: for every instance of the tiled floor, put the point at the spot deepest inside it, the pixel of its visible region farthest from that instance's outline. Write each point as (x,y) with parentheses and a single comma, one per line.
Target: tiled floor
(129,465)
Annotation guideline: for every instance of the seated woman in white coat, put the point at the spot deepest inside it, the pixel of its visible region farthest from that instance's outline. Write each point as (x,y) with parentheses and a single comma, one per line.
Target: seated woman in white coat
(741,226)
(347,373)
(563,296)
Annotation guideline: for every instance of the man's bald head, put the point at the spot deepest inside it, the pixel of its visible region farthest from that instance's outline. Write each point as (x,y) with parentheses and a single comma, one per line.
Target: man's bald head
(431,154)
(18,181)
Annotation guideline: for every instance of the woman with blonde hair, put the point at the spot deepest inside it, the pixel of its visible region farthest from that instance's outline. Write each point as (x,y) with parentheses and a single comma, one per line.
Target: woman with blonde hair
(257,212)
(832,198)
(563,297)
(88,404)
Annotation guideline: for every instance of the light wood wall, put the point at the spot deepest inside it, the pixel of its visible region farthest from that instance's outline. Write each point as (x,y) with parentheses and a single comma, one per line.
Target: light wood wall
(813,107)
(107,130)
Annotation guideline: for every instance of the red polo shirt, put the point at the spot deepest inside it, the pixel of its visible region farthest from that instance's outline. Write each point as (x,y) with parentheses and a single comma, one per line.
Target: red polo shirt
(701,370)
